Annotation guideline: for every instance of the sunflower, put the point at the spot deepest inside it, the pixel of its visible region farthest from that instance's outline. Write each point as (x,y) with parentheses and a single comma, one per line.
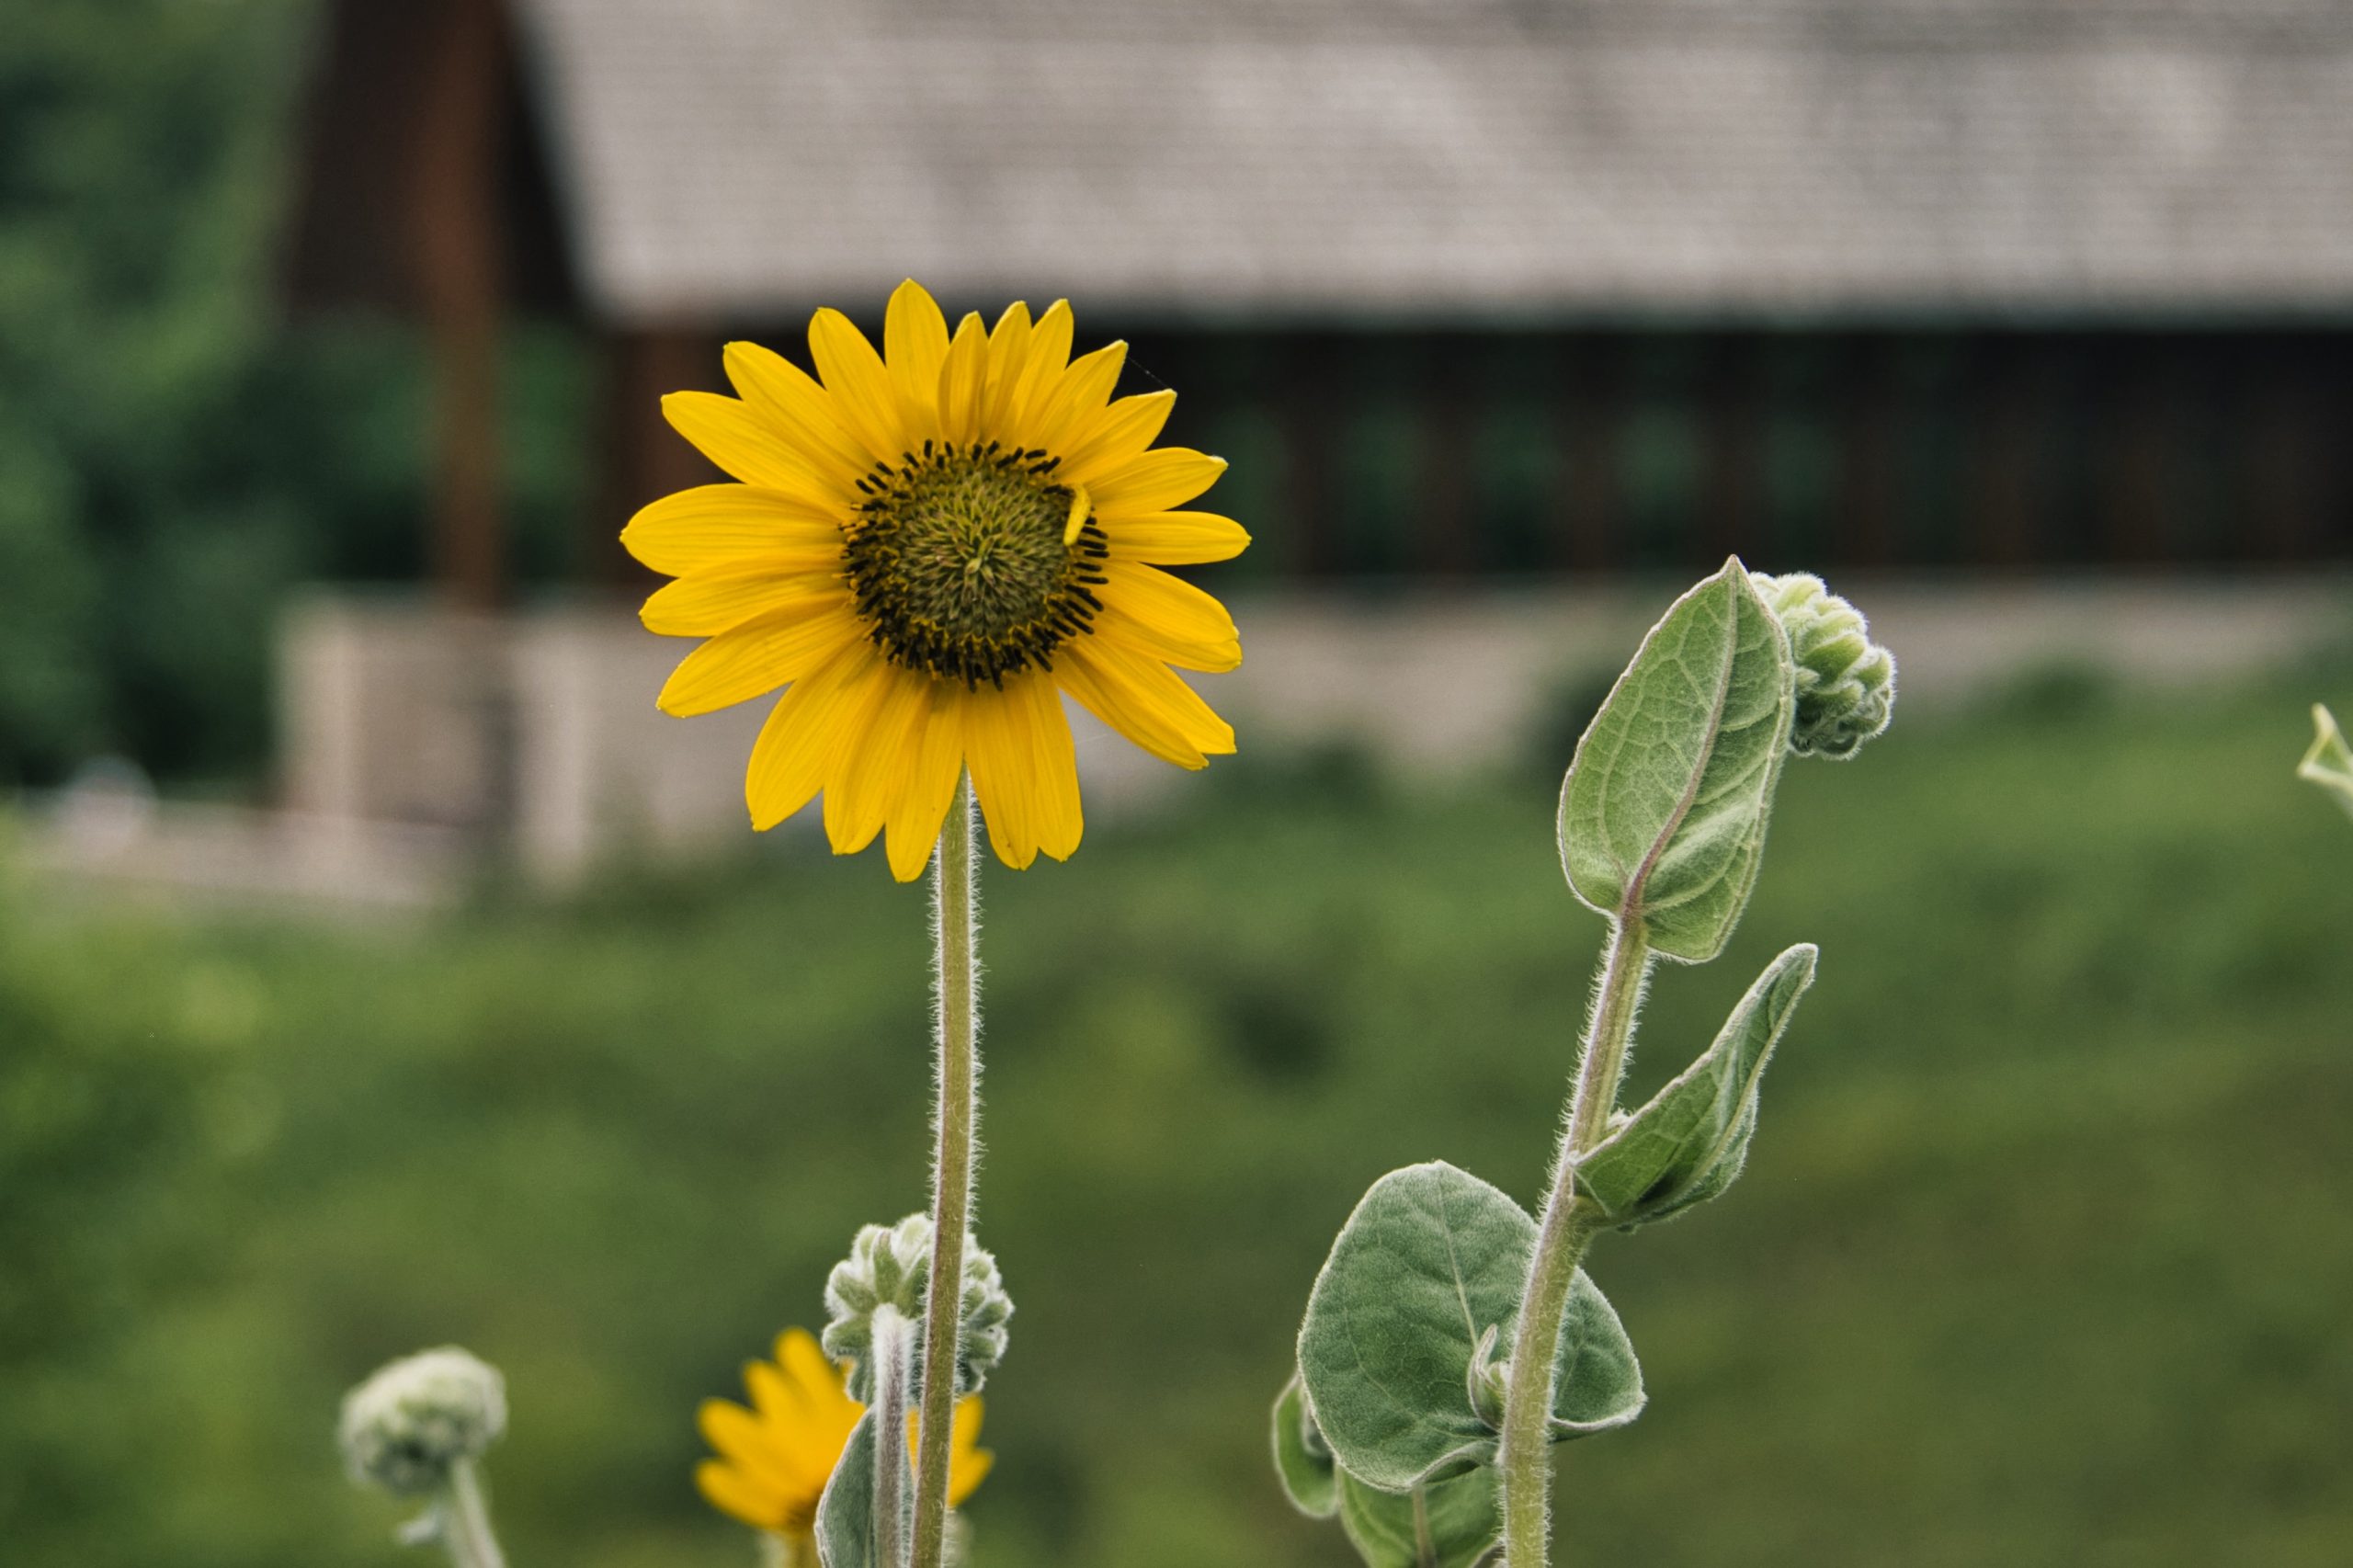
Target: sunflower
(776,1458)
(926,548)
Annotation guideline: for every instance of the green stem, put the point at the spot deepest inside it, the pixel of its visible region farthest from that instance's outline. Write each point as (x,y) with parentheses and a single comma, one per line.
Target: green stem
(957,1116)
(1525,1456)
(1425,1544)
(893,1355)
(465,1521)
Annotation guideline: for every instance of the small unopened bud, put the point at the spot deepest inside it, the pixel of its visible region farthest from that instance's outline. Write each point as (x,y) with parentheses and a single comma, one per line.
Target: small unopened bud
(892,1265)
(1487,1376)
(406,1427)
(1845,682)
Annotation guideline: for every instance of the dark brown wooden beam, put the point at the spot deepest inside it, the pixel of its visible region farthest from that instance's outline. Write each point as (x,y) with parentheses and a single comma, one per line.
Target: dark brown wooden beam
(453,192)
(644,459)
(1308,415)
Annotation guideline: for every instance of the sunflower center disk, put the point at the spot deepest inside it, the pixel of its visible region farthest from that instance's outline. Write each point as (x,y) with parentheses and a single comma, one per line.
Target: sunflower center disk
(964,564)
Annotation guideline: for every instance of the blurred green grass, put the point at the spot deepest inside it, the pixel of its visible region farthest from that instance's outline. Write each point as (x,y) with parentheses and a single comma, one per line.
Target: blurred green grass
(2041,1256)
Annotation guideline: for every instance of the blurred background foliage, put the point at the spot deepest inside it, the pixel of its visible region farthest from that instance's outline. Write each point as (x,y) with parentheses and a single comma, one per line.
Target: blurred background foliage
(2041,1259)
(173,459)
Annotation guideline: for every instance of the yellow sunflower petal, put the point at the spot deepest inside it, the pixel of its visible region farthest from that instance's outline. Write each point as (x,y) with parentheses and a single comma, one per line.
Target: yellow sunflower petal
(714,523)
(804,1360)
(963,377)
(726,1489)
(1041,373)
(968,1464)
(1008,355)
(804,729)
(1061,820)
(726,597)
(759,656)
(1167,604)
(997,750)
(915,345)
(1113,625)
(736,436)
(743,1439)
(1115,436)
(1144,700)
(792,397)
(1081,393)
(853,373)
(1175,539)
(925,798)
(871,771)
(1162,478)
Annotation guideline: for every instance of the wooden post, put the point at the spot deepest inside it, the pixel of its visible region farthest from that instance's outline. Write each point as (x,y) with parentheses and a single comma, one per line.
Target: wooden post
(644,459)
(453,194)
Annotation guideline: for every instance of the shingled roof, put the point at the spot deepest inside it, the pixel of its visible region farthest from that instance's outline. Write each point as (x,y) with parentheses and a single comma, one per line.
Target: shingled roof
(1346,159)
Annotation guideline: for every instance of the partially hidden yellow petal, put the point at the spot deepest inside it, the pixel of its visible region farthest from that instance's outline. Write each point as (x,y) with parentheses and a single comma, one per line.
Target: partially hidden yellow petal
(727,1490)
(915,345)
(853,373)
(751,447)
(923,802)
(726,597)
(1162,478)
(1041,373)
(789,395)
(714,523)
(1077,397)
(1175,539)
(1117,434)
(870,771)
(1008,355)
(1141,698)
(1183,615)
(807,726)
(759,656)
(963,377)
(742,1439)
(997,751)
(968,1464)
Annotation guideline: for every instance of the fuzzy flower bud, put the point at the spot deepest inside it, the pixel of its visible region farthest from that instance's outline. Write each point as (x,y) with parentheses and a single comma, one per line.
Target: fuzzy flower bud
(892,1264)
(1845,682)
(407,1426)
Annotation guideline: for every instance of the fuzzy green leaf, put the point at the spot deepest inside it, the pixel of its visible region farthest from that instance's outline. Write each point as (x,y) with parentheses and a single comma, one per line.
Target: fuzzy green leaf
(1431,1259)
(1447,1523)
(1689,1142)
(845,1512)
(1663,811)
(2329,763)
(1302,1459)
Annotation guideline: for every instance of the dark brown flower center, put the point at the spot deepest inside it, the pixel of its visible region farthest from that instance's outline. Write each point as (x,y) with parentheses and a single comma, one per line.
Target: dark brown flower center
(966,563)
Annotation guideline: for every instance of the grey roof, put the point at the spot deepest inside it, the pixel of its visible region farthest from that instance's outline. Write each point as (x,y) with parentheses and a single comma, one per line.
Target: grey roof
(1300,158)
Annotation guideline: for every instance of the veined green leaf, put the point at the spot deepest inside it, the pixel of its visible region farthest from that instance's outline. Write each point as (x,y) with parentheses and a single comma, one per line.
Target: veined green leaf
(1431,1259)
(845,1512)
(1663,811)
(1691,1140)
(1446,1524)
(1302,1459)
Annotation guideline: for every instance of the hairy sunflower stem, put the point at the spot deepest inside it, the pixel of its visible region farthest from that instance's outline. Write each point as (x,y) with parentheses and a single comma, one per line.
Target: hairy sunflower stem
(957,1119)
(1425,1544)
(1525,1457)
(465,1521)
(893,1358)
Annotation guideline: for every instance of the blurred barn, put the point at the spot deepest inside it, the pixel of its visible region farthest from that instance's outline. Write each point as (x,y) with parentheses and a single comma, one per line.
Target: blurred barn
(1465,288)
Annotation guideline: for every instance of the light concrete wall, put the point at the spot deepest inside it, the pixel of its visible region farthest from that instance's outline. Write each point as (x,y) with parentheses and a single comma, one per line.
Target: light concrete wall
(538,731)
